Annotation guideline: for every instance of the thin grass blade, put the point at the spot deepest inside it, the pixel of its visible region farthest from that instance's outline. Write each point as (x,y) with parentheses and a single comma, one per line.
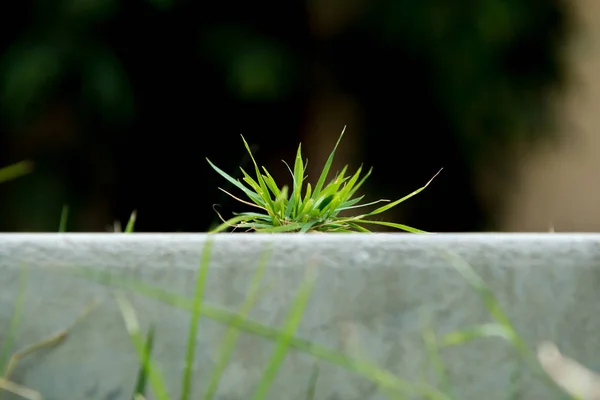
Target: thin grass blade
(254,226)
(64,215)
(408,196)
(475,332)
(186,385)
(376,374)
(389,224)
(270,182)
(251,182)
(15,171)
(344,194)
(13,325)
(133,328)
(358,227)
(327,167)
(281,203)
(308,194)
(482,289)
(18,390)
(306,210)
(298,180)
(291,205)
(246,202)
(289,328)
(253,196)
(350,203)
(330,196)
(291,227)
(142,380)
(258,216)
(130,227)
(324,203)
(433,354)
(231,223)
(307,226)
(265,191)
(360,183)
(232,334)
(312,383)
(497,313)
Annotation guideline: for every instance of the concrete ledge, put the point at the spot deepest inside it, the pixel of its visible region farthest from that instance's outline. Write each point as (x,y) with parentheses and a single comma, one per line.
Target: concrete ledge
(372,286)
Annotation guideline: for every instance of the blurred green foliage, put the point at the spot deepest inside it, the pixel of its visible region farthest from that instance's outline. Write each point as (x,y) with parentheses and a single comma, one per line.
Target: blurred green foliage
(459,79)
(57,43)
(257,67)
(479,51)
(494,62)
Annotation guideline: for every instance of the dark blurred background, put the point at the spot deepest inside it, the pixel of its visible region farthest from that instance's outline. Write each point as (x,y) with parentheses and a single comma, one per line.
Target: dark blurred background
(118,102)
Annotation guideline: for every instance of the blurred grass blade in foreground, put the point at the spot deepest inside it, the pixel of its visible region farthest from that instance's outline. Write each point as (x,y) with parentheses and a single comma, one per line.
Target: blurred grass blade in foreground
(15,171)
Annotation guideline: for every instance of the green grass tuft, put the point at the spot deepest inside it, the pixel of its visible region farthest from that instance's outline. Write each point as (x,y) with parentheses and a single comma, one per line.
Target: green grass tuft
(305,209)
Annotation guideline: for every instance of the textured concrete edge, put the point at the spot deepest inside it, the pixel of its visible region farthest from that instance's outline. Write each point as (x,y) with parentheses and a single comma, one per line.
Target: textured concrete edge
(183,251)
(439,238)
(107,247)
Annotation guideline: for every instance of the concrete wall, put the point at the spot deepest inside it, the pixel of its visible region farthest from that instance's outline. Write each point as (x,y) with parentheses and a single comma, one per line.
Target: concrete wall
(370,291)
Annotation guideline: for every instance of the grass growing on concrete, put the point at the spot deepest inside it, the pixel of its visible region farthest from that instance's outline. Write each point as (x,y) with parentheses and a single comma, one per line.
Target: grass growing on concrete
(284,339)
(307,209)
(287,215)
(388,383)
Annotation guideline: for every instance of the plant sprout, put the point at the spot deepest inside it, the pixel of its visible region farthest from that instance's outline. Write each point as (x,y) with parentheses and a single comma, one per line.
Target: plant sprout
(306,209)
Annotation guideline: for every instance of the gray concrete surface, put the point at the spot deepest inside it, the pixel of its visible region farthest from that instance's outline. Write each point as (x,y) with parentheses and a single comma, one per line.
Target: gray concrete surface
(369,288)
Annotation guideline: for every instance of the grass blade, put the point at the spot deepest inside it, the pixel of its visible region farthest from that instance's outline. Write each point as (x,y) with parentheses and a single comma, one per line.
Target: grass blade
(289,211)
(376,374)
(271,184)
(64,215)
(351,204)
(232,334)
(15,171)
(250,181)
(312,383)
(307,226)
(140,386)
(253,196)
(344,194)
(483,290)
(131,223)
(265,195)
(507,329)
(231,223)
(194,321)
(475,332)
(433,352)
(358,227)
(408,196)
(294,226)
(389,224)
(359,184)
(289,329)
(13,325)
(52,341)
(155,378)
(325,172)
(298,180)
(19,390)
